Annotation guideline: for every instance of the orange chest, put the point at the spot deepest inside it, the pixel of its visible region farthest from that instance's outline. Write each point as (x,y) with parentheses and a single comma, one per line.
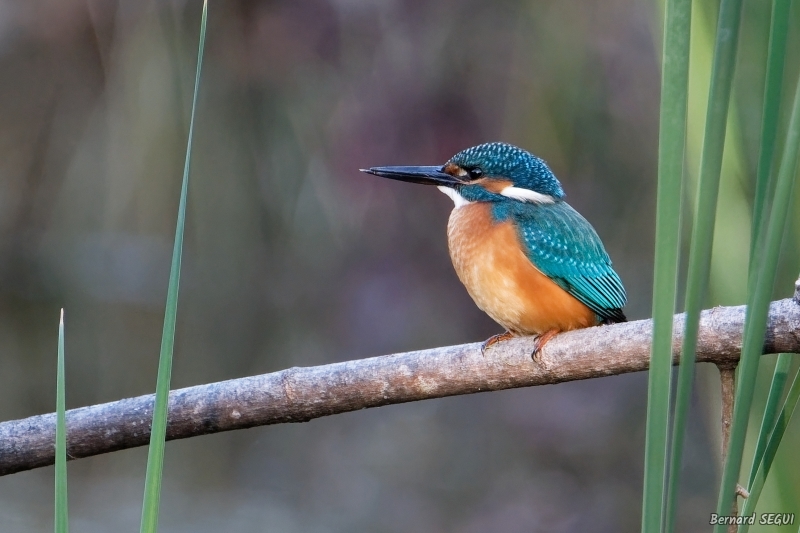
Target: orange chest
(490,262)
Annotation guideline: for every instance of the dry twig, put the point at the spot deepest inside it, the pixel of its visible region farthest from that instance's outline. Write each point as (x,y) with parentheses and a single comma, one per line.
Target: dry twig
(303,393)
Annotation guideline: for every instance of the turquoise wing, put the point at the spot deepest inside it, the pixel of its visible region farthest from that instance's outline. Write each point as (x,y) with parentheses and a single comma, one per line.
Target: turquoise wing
(566,248)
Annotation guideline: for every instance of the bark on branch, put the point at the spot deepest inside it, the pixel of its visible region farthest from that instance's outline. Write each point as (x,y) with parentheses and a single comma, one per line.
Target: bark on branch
(300,394)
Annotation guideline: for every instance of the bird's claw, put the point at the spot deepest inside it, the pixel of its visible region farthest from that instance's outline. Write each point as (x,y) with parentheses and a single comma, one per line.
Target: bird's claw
(494,339)
(539,342)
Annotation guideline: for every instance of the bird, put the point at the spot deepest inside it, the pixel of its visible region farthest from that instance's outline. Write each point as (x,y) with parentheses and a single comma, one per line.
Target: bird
(526,257)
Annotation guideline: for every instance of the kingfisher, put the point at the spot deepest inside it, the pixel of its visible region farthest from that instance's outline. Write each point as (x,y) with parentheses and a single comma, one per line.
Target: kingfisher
(526,257)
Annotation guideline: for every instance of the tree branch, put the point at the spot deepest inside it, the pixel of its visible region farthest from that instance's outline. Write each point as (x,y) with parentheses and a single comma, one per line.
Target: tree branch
(300,394)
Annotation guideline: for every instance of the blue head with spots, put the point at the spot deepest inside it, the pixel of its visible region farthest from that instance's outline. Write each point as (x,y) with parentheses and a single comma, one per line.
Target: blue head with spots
(504,163)
(491,172)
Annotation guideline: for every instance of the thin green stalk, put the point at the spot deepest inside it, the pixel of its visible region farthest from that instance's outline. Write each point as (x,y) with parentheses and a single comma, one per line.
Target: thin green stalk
(764,190)
(672,141)
(758,306)
(61,515)
(702,235)
(768,421)
(760,476)
(155,457)
(776,56)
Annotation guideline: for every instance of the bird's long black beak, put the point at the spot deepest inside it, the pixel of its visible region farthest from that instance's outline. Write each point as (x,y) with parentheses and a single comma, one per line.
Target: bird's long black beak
(423,175)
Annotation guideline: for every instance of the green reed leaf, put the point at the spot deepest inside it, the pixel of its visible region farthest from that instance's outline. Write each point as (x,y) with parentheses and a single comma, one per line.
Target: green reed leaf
(764,191)
(672,142)
(155,457)
(61,514)
(765,183)
(757,308)
(759,477)
(779,376)
(702,235)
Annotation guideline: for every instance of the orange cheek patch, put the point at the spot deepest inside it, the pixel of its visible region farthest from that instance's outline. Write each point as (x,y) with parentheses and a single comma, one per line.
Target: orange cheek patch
(454,170)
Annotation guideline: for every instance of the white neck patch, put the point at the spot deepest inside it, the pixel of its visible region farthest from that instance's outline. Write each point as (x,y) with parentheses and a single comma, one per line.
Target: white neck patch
(527,195)
(458,200)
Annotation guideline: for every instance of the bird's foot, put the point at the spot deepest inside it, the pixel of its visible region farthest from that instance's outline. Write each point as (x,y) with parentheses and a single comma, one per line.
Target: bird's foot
(494,339)
(539,343)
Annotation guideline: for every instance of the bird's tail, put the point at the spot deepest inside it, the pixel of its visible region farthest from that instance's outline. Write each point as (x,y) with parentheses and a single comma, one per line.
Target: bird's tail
(615,316)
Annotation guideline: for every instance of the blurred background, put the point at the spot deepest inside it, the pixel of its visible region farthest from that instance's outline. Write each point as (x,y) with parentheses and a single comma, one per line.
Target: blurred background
(293,257)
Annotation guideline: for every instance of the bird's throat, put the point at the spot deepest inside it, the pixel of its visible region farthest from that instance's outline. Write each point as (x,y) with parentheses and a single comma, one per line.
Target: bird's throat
(454,195)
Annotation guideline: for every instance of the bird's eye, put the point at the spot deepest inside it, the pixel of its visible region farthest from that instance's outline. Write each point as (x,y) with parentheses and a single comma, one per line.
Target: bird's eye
(475,173)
